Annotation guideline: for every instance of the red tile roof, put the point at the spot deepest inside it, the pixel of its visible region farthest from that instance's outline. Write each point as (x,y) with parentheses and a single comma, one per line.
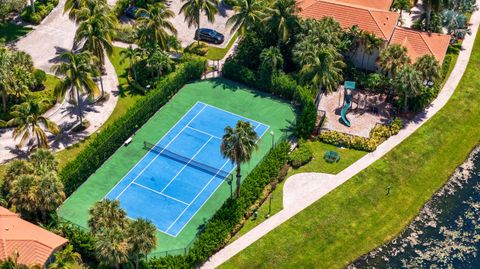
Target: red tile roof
(420,43)
(377,4)
(376,21)
(33,243)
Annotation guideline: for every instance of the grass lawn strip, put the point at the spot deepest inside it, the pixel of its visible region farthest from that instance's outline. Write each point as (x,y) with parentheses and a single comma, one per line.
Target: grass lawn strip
(215,53)
(358,216)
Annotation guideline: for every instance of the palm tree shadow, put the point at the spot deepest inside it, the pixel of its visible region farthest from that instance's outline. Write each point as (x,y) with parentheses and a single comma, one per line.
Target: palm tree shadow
(222,9)
(58,52)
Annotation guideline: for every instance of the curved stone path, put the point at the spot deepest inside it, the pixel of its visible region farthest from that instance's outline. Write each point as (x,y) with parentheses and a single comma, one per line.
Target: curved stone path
(302,190)
(54,35)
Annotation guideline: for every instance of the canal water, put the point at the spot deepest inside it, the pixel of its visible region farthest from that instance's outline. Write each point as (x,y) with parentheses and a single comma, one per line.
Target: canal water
(446,233)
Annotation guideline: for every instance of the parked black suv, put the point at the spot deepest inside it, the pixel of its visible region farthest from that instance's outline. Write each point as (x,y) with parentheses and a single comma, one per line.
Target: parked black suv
(209,35)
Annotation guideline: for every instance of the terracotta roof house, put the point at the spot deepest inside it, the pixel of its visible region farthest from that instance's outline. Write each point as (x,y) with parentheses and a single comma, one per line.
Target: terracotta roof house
(33,244)
(374,16)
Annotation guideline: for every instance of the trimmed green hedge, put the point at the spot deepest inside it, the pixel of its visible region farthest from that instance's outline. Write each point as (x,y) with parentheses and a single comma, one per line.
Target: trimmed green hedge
(221,226)
(301,156)
(109,140)
(378,134)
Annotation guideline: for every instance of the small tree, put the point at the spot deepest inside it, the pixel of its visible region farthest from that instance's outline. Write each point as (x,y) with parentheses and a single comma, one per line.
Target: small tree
(393,58)
(238,145)
(408,83)
(141,238)
(428,66)
(106,215)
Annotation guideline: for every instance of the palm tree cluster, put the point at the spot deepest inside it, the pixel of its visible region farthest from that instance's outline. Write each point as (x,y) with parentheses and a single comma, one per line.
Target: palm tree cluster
(408,80)
(450,14)
(33,187)
(119,240)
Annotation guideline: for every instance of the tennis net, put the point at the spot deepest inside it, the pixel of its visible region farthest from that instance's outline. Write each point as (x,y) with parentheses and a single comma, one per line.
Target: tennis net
(185,160)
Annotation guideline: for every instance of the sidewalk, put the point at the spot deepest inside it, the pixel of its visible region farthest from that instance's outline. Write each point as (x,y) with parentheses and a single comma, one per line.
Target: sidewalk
(54,35)
(305,189)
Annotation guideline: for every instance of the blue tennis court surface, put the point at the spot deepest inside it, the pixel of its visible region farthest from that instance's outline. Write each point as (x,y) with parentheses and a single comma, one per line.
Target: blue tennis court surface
(169,190)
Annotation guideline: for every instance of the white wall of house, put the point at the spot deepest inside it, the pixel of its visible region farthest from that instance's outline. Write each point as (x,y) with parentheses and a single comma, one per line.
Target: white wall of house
(364,60)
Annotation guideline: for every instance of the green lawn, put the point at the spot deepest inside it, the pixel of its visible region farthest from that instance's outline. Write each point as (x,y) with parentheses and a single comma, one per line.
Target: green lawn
(358,216)
(10,32)
(125,101)
(215,53)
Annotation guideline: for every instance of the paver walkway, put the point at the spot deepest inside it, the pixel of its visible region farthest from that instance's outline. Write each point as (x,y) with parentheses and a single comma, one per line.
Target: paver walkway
(55,34)
(302,190)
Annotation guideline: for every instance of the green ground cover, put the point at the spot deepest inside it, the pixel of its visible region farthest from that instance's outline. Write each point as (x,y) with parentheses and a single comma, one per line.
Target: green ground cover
(220,93)
(358,216)
(215,53)
(10,32)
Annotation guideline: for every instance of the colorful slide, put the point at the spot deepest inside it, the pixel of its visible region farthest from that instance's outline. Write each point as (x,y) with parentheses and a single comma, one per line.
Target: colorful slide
(346,106)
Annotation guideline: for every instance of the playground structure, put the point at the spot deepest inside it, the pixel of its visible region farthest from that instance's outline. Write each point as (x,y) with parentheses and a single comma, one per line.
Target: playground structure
(349,87)
(354,111)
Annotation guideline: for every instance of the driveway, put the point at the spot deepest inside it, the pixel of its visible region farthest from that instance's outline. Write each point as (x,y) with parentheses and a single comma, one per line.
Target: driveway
(185,34)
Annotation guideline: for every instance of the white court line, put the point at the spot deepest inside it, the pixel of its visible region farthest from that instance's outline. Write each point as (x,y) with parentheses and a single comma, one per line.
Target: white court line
(168,196)
(200,131)
(204,187)
(186,165)
(234,114)
(144,156)
(148,165)
(218,186)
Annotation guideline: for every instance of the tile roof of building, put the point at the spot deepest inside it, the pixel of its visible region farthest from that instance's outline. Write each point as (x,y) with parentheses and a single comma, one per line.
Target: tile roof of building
(33,243)
(379,22)
(419,43)
(377,4)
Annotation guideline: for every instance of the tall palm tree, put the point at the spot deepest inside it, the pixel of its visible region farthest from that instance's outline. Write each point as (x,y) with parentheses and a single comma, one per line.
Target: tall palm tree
(238,145)
(430,6)
(321,66)
(193,9)
(5,76)
(15,168)
(393,58)
(106,215)
(132,55)
(141,238)
(48,193)
(111,247)
(81,10)
(370,43)
(77,70)
(282,19)
(21,196)
(248,14)
(272,59)
(407,83)
(428,67)
(400,6)
(30,123)
(43,161)
(156,23)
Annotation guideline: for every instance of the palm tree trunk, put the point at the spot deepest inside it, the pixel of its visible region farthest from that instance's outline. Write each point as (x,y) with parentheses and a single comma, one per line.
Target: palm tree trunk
(136,262)
(405,104)
(4,101)
(32,5)
(101,85)
(239,177)
(79,110)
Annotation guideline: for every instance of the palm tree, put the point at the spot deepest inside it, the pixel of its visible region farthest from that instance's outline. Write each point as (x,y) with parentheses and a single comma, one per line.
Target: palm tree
(48,193)
(5,76)
(158,61)
(238,145)
(407,83)
(132,55)
(66,259)
(77,70)
(393,58)
(400,6)
(193,9)
(106,215)
(15,168)
(321,66)
(81,10)
(272,59)
(248,14)
(370,44)
(30,123)
(156,22)
(430,6)
(282,19)
(355,36)
(111,247)
(43,162)
(21,196)
(141,238)
(428,66)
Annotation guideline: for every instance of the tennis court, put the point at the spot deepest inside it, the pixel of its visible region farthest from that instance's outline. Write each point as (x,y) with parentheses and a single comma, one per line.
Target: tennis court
(181,171)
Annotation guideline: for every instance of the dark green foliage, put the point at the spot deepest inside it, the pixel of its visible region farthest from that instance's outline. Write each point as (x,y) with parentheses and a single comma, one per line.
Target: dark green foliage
(306,120)
(42,9)
(301,156)
(221,225)
(249,50)
(107,142)
(39,77)
(81,240)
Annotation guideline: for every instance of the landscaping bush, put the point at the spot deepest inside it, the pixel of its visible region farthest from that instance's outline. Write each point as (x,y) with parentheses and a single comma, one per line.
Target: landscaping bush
(109,140)
(284,85)
(378,134)
(42,9)
(219,229)
(301,156)
(39,77)
(81,240)
(197,48)
(124,33)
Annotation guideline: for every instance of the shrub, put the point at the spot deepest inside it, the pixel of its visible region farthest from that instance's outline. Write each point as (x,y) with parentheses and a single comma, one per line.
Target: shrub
(378,134)
(39,77)
(306,120)
(284,85)
(221,226)
(109,140)
(42,9)
(124,33)
(198,48)
(301,156)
